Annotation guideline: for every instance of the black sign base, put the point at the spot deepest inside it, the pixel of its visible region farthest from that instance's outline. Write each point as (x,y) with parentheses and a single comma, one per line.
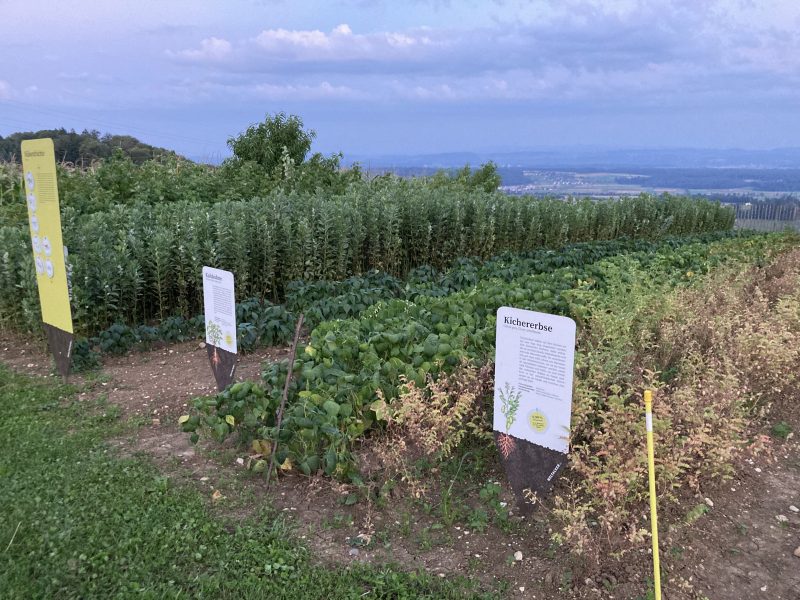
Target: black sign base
(531,469)
(60,343)
(223,365)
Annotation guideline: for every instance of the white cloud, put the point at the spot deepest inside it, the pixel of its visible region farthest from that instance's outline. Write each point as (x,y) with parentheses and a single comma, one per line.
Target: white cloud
(249,90)
(340,45)
(211,50)
(5,90)
(273,40)
(593,51)
(321,91)
(343,29)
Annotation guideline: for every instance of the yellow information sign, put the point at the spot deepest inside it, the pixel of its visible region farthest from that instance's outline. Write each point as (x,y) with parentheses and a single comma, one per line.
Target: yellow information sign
(44,219)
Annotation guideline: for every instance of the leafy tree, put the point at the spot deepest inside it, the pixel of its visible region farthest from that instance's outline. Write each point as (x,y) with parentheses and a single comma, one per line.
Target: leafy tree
(264,142)
(485,178)
(83,148)
(327,173)
(92,148)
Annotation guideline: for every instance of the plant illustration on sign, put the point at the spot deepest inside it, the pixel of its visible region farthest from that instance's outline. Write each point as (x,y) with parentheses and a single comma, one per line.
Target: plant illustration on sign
(214,335)
(509,399)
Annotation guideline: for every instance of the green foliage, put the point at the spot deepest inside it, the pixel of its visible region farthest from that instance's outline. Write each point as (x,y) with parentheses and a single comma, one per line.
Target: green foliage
(80,522)
(136,263)
(337,376)
(490,496)
(270,142)
(711,318)
(83,358)
(781,430)
(174,329)
(12,197)
(117,339)
(323,173)
(81,148)
(478,520)
(698,511)
(485,178)
(260,323)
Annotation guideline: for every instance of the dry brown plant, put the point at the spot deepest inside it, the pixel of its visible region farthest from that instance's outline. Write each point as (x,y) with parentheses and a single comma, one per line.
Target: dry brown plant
(727,352)
(432,421)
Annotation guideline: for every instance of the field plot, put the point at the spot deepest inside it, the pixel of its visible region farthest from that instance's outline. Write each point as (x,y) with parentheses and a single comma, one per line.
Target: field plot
(388,482)
(139,235)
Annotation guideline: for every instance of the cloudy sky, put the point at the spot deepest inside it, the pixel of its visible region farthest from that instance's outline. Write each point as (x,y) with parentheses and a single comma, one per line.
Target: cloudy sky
(389,77)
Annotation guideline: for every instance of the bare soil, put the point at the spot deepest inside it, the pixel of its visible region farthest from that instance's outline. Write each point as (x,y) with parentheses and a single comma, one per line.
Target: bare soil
(741,547)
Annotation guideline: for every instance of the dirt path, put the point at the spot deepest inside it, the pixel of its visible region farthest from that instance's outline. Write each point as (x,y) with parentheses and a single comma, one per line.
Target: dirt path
(742,547)
(158,383)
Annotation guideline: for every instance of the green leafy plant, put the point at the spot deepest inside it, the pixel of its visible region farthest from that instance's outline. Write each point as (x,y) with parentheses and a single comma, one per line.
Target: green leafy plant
(347,364)
(781,430)
(139,235)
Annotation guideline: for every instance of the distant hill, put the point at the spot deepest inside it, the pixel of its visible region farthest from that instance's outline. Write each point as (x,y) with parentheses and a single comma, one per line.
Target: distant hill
(81,148)
(595,158)
(583,171)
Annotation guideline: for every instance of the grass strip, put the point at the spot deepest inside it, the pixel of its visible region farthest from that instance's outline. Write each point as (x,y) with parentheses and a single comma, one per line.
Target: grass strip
(80,522)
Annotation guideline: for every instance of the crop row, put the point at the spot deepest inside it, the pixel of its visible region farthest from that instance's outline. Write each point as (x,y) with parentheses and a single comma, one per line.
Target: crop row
(328,300)
(346,362)
(135,264)
(261,323)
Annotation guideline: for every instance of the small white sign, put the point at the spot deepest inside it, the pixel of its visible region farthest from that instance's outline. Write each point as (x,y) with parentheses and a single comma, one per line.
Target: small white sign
(220,308)
(534,365)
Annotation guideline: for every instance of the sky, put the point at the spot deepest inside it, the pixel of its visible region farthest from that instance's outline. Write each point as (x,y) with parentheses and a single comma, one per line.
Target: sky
(380,77)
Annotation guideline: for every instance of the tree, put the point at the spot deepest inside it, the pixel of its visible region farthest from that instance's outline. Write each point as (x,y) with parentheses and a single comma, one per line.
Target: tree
(264,142)
(486,177)
(81,148)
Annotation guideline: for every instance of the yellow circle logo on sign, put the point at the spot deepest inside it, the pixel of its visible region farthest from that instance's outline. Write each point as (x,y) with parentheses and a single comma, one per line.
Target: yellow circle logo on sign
(537,421)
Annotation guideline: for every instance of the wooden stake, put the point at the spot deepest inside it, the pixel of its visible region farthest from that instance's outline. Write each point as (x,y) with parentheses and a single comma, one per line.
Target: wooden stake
(279,417)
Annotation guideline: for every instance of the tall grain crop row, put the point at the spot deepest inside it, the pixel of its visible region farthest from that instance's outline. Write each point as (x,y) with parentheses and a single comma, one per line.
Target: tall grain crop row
(136,263)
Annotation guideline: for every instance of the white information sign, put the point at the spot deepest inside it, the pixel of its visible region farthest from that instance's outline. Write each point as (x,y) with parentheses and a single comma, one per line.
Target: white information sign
(533,377)
(220,308)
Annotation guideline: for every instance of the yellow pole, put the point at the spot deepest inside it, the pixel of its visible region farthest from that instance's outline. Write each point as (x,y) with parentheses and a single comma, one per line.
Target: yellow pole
(651,467)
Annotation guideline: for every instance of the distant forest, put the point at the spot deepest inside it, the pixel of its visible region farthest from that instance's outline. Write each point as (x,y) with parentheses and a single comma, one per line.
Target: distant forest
(758,180)
(81,148)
